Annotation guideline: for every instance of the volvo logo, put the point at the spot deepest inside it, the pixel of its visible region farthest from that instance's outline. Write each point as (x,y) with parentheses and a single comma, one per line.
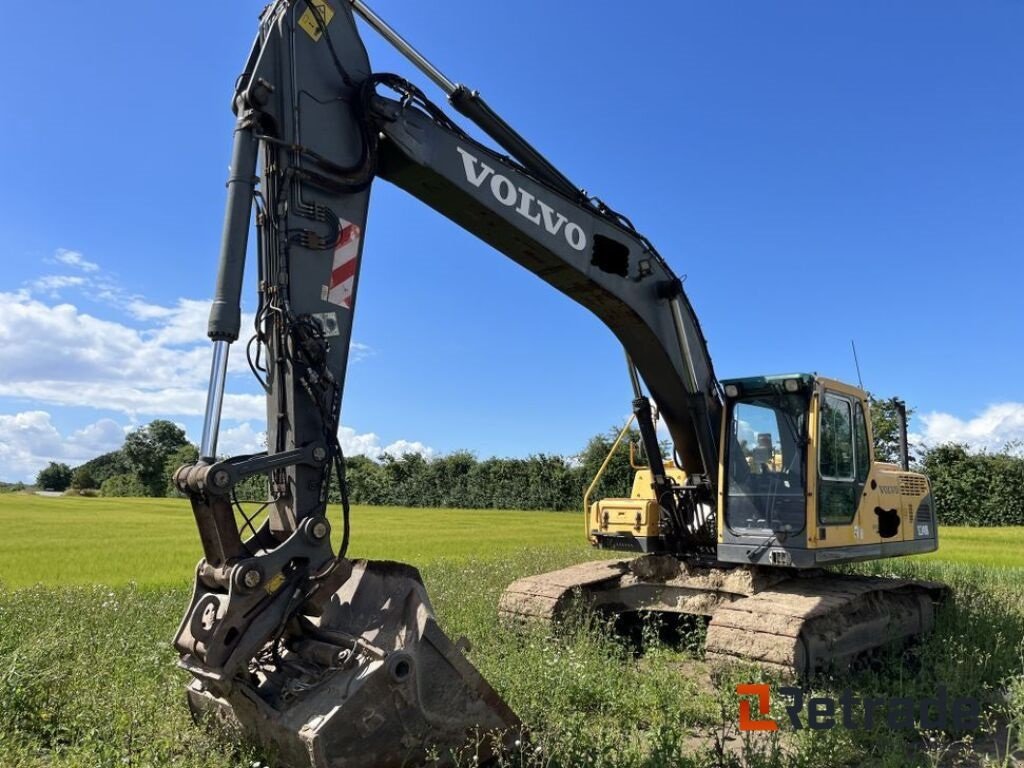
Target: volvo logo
(524,203)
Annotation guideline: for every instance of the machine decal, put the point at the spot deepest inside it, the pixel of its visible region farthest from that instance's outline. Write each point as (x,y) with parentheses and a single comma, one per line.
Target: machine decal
(508,194)
(329,322)
(339,288)
(309,23)
(888,522)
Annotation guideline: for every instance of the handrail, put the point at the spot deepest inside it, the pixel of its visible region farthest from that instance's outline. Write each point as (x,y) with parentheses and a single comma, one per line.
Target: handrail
(600,474)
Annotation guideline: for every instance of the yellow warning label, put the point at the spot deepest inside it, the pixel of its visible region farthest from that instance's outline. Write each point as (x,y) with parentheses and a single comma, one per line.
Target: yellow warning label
(274,583)
(316,19)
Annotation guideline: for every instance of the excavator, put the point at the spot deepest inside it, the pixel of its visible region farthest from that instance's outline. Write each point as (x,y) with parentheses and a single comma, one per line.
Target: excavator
(329,661)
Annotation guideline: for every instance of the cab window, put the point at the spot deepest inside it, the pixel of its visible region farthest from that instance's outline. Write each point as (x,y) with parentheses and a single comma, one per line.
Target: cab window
(837,492)
(836,439)
(765,488)
(860,434)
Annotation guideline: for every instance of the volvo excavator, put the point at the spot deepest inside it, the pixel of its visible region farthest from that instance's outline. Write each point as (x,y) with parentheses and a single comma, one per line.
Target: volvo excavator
(329,661)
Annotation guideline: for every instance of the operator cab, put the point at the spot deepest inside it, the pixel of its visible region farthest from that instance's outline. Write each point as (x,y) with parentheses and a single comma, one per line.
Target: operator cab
(798,482)
(797,485)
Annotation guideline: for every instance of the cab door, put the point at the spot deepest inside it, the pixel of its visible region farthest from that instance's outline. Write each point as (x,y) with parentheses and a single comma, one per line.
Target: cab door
(841,477)
(866,530)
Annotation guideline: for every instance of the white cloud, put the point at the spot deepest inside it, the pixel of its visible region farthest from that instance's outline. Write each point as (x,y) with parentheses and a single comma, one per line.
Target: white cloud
(52,285)
(358,351)
(99,286)
(992,429)
(161,370)
(183,323)
(186,322)
(99,437)
(368,444)
(75,259)
(245,438)
(93,362)
(136,401)
(146,311)
(29,440)
(354,444)
(152,363)
(241,440)
(402,447)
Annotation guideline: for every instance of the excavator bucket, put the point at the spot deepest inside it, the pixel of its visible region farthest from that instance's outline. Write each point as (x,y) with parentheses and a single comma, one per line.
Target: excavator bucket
(369,680)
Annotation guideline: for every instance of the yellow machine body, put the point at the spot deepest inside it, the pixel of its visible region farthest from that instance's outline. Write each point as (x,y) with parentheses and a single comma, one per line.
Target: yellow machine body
(637,516)
(798,485)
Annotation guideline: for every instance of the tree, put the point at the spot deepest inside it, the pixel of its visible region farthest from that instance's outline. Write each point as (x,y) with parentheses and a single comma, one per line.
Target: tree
(56,477)
(366,482)
(885,426)
(82,479)
(123,485)
(106,465)
(147,450)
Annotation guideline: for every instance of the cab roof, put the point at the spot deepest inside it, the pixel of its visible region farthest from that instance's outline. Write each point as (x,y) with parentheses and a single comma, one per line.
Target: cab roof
(755,383)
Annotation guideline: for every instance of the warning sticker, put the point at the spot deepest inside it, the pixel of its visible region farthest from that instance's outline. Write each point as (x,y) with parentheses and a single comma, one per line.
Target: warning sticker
(341,282)
(274,583)
(315,20)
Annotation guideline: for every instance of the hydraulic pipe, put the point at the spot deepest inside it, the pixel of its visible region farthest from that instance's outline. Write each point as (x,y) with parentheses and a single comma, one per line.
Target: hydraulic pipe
(226,313)
(472,105)
(403,46)
(634,377)
(214,400)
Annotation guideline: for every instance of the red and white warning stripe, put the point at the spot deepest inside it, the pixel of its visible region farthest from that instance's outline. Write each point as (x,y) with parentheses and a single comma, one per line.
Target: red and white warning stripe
(343,269)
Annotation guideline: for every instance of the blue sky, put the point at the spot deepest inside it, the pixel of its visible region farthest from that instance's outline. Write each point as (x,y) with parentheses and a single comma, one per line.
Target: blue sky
(818,171)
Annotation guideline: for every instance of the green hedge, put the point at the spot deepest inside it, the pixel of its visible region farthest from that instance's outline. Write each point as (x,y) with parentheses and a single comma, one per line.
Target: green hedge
(980,489)
(460,480)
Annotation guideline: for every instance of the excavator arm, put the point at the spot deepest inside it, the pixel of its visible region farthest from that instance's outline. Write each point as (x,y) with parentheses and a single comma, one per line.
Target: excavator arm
(330,661)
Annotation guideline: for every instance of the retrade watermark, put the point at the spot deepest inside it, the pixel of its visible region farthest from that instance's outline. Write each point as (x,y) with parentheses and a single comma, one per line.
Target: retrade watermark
(822,713)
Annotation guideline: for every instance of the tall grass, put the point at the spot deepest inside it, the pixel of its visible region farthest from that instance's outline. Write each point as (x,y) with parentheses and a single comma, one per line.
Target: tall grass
(88,677)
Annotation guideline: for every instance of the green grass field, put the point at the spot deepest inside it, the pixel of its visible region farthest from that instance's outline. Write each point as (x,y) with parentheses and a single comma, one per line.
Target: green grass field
(93,590)
(83,541)
(151,542)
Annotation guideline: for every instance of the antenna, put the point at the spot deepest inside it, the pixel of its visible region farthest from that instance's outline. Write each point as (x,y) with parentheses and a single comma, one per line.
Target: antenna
(856,362)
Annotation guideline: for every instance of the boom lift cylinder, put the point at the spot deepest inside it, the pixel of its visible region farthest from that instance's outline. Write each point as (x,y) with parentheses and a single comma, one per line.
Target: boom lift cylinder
(225,313)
